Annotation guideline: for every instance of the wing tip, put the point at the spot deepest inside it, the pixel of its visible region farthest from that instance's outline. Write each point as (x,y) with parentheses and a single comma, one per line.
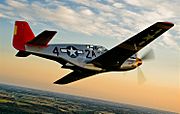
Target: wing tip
(60,82)
(167,23)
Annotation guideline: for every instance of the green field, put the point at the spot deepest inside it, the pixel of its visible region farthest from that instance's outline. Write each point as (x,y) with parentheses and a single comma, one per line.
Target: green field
(23,100)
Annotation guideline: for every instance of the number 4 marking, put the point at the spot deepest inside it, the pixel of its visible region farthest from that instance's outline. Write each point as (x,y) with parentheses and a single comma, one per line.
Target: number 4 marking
(55,51)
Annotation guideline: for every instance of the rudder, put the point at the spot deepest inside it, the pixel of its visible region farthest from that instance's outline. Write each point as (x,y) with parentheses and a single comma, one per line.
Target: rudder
(22,34)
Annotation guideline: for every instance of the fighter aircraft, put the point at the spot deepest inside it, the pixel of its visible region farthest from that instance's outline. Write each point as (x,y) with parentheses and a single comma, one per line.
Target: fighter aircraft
(85,60)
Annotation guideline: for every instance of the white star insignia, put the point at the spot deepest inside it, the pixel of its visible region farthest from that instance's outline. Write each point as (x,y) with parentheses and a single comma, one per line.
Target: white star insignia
(72,52)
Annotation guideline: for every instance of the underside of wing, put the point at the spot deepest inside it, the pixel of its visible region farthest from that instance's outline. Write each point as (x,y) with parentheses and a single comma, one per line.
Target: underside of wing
(123,51)
(74,76)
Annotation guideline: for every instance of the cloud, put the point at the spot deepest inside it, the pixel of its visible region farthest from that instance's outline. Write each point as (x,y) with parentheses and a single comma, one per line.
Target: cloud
(5,7)
(169,41)
(118,5)
(86,12)
(16,4)
(1,15)
(105,18)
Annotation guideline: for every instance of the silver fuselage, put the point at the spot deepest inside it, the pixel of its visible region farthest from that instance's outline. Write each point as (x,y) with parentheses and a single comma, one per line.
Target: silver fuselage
(79,55)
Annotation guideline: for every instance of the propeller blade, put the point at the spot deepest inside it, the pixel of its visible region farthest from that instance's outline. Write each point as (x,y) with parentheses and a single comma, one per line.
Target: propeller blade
(148,55)
(141,77)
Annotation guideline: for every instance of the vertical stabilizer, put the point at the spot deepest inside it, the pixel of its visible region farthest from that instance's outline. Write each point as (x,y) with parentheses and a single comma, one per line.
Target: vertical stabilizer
(22,34)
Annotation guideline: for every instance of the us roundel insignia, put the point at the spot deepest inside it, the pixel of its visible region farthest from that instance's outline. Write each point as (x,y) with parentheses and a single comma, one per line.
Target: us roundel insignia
(71,51)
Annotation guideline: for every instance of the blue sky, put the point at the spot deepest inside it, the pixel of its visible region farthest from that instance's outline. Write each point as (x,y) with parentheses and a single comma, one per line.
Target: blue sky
(107,20)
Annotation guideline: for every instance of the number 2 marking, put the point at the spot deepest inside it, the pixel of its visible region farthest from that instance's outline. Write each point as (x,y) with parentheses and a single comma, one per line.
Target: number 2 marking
(90,54)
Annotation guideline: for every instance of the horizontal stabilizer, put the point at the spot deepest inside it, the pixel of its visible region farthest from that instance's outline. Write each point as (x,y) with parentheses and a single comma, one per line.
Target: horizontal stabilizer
(22,54)
(42,39)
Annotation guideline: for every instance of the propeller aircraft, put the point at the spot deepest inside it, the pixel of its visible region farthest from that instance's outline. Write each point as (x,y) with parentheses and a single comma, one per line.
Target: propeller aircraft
(85,59)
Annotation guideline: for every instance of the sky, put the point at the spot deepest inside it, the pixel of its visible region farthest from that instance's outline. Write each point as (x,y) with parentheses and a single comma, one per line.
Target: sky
(102,22)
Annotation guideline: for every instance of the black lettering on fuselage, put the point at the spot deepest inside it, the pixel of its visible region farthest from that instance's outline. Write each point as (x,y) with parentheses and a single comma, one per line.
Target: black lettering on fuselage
(93,54)
(90,54)
(55,51)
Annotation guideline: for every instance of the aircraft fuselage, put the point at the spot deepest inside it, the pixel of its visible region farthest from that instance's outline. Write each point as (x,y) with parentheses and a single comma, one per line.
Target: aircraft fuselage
(79,55)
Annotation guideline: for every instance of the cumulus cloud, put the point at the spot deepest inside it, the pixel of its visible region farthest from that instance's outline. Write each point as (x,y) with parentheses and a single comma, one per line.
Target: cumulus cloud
(170,41)
(118,5)
(1,15)
(16,4)
(94,17)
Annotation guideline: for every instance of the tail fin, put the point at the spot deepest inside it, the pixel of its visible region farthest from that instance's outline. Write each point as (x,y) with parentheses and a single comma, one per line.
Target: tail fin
(22,34)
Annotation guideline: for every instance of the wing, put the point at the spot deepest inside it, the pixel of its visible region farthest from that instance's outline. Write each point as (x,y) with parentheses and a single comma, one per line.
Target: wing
(74,76)
(123,51)
(42,39)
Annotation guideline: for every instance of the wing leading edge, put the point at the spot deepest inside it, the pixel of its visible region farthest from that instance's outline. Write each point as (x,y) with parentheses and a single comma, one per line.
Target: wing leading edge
(123,51)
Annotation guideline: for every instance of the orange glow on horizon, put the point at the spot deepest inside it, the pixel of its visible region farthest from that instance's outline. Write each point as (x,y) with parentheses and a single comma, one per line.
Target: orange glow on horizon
(39,73)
